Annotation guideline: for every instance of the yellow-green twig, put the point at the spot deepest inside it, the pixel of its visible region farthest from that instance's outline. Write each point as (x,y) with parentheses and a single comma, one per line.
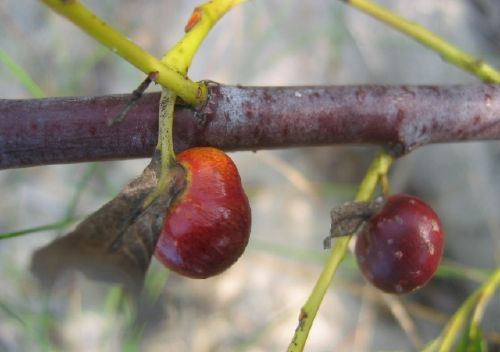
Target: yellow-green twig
(447,51)
(165,128)
(379,167)
(202,20)
(179,58)
(191,92)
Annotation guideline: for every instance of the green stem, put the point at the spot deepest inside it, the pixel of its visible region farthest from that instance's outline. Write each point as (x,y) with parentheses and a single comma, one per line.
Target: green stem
(202,20)
(459,318)
(474,335)
(478,314)
(80,187)
(447,51)
(54,226)
(191,92)
(165,129)
(379,167)
(179,58)
(445,341)
(165,145)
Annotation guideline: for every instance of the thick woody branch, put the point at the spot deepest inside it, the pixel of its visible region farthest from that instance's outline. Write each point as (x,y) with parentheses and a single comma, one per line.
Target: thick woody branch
(68,130)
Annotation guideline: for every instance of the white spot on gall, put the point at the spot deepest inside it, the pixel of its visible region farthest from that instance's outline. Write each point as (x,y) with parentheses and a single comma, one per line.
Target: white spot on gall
(426,237)
(223,242)
(435,226)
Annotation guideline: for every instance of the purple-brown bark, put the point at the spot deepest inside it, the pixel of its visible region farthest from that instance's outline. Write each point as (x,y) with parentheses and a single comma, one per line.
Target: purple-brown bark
(67,130)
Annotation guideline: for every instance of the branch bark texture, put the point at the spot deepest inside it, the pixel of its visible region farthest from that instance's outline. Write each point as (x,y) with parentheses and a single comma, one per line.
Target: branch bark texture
(68,130)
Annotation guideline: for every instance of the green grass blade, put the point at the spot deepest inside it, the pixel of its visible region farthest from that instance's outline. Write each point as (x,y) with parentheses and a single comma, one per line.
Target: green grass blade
(21,75)
(79,189)
(9,312)
(53,226)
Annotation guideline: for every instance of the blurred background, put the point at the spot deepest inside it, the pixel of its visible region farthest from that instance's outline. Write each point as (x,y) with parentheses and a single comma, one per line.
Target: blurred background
(253,306)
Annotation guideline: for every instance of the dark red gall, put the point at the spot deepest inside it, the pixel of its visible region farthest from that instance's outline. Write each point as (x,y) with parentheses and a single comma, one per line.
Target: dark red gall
(401,247)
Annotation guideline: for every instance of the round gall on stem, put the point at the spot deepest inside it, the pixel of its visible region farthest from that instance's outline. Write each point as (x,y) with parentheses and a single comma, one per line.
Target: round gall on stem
(401,246)
(207,228)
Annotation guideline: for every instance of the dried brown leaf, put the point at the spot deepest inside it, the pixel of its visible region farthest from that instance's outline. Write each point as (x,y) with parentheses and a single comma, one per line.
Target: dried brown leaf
(116,242)
(349,217)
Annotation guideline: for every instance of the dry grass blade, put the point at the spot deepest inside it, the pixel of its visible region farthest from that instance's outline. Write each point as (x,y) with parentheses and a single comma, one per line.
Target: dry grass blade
(116,242)
(404,319)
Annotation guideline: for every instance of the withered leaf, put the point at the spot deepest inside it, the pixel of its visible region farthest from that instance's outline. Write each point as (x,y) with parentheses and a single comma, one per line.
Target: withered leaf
(116,242)
(349,217)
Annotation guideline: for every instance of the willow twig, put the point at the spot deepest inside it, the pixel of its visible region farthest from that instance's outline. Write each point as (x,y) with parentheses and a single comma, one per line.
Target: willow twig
(191,92)
(447,51)
(380,166)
